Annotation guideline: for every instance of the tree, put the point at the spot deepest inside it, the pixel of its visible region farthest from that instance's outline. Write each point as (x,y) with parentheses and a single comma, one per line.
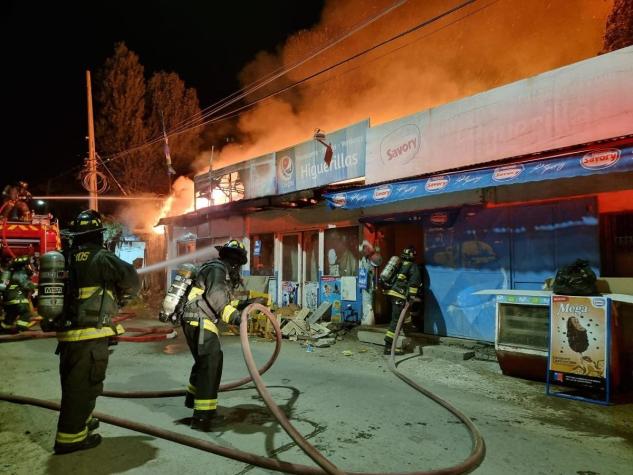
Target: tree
(120,113)
(168,97)
(619,31)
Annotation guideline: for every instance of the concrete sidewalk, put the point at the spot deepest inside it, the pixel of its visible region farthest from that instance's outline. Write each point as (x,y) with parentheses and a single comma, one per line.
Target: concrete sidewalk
(351,407)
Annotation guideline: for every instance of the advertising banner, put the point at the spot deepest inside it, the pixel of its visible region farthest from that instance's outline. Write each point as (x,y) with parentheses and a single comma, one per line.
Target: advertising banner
(303,166)
(579,103)
(589,162)
(330,291)
(579,342)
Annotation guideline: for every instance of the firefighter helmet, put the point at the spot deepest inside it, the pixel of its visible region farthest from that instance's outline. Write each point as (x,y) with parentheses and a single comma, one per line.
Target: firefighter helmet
(86,222)
(233,251)
(408,253)
(22,262)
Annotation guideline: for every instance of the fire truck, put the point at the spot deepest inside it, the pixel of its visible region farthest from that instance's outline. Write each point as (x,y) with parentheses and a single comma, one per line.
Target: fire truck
(34,237)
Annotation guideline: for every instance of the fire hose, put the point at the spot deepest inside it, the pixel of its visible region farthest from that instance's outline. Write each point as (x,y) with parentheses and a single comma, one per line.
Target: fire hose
(143,335)
(475,458)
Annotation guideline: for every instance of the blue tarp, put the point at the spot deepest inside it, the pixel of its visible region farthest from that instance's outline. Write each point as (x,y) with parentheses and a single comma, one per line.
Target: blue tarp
(587,163)
(514,247)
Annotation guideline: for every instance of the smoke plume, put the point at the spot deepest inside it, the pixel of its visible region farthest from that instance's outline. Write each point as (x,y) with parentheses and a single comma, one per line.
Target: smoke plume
(485,45)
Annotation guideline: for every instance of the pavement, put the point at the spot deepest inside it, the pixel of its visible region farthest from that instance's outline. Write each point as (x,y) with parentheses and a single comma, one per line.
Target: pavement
(348,405)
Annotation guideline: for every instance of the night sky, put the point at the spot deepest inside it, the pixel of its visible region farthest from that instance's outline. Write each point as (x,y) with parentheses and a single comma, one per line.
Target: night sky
(48,46)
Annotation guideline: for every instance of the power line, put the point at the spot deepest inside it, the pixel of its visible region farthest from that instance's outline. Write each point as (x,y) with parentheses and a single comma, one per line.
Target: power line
(281,71)
(270,77)
(236,112)
(301,81)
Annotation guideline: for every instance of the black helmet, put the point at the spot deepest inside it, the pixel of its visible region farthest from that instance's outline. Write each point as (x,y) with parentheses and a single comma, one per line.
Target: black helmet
(88,221)
(22,262)
(408,253)
(233,251)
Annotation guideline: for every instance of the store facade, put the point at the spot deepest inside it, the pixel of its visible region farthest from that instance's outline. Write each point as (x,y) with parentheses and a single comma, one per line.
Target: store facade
(510,185)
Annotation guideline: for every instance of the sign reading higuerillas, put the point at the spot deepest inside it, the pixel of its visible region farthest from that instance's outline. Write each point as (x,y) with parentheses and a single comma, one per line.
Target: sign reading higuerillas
(302,167)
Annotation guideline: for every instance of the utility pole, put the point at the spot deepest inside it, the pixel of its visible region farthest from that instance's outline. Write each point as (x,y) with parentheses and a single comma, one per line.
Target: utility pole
(92,156)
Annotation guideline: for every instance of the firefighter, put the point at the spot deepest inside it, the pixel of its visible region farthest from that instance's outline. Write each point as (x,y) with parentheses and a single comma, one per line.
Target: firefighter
(17,288)
(209,301)
(98,282)
(405,286)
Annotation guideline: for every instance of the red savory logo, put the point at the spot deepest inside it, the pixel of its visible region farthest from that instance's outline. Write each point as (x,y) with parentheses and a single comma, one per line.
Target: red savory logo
(401,145)
(507,173)
(558,298)
(439,218)
(599,159)
(339,200)
(436,183)
(382,192)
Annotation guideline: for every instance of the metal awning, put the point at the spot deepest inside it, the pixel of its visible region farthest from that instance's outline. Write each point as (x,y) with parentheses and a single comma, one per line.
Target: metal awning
(587,162)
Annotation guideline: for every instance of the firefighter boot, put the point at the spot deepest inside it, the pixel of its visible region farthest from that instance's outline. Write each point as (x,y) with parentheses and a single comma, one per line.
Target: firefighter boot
(92,424)
(88,443)
(205,421)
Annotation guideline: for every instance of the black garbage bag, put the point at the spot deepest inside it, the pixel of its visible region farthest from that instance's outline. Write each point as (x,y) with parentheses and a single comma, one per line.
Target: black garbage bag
(575,279)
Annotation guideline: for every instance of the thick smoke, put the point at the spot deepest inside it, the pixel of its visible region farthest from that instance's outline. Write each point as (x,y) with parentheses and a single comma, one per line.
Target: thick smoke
(468,52)
(142,217)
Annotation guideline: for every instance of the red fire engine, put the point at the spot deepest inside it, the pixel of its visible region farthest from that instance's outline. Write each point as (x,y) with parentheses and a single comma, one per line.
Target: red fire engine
(35,237)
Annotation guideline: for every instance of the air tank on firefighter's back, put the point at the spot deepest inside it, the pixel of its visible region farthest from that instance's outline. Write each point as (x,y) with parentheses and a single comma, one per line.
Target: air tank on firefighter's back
(389,272)
(51,285)
(174,299)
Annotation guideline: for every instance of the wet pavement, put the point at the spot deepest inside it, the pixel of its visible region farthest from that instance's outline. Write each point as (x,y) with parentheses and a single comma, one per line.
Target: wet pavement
(351,407)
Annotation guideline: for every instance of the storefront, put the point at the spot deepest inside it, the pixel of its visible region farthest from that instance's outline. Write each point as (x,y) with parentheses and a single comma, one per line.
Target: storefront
(497,190)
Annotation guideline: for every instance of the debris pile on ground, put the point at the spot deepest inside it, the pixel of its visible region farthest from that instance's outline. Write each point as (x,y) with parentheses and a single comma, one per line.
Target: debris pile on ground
(303,324)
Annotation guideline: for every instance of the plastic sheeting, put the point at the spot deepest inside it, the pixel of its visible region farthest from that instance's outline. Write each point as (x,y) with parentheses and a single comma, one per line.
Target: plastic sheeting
(499,248)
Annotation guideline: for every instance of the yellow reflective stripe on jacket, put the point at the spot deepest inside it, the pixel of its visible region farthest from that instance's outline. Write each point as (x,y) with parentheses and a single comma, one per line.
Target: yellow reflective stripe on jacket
(390,334)
(63,438)
(87,292)
(194,292)
(17,301)
(22,323)
(208,325)
(7,326)
(205,404)
(191,389)
(90,333)
(393,293)
(413,290)
(227,312)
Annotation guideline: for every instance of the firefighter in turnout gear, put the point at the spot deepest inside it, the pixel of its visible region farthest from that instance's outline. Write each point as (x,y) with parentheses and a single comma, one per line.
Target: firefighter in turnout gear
(98,282)
(209,301)
(17,288)
(404,286)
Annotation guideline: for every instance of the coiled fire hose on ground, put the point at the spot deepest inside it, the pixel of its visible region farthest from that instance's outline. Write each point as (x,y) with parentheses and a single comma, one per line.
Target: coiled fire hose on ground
(469,464)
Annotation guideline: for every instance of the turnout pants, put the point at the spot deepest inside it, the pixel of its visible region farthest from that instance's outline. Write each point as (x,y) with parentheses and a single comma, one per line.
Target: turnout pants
(82,370)
(18,316)
(206,372)
(396,308)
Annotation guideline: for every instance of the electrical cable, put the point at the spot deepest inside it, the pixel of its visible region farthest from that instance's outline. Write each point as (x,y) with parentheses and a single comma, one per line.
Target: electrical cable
(270,77)
(411,30)
(301,81)
(283,70)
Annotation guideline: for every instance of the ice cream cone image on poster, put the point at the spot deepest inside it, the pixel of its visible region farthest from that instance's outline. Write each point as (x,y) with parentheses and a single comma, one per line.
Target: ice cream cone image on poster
(578,338)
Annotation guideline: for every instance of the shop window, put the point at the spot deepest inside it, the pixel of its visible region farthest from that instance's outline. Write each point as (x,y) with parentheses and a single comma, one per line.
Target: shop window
(186,247)
(311,249)
(341,251)
(262,254)
(290,258)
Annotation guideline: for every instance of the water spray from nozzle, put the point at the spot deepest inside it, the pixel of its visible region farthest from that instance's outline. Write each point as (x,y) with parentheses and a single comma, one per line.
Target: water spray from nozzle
(209,251)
